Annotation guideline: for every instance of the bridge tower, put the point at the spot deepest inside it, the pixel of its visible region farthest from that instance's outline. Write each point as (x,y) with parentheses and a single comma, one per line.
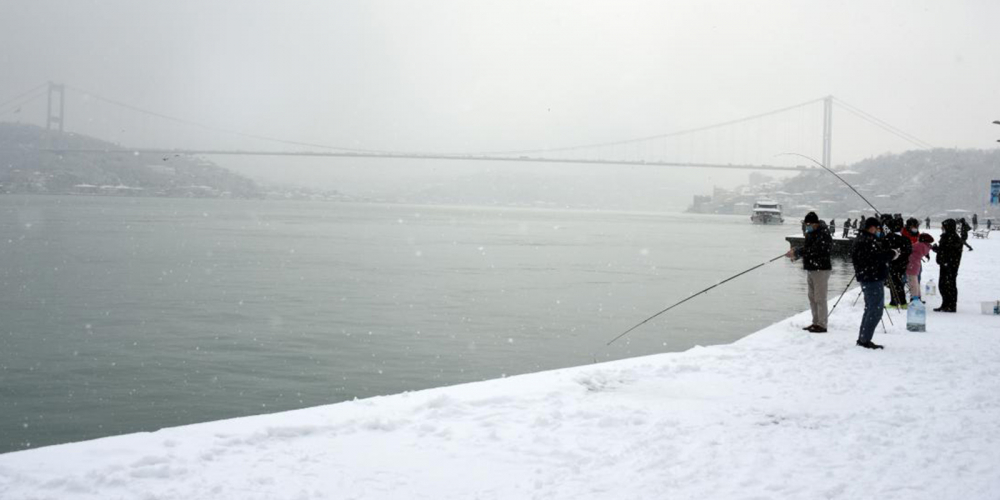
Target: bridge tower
(56,118)
(827,129)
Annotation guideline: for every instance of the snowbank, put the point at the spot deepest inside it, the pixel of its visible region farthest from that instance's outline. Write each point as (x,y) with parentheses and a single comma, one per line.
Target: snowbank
(779,414)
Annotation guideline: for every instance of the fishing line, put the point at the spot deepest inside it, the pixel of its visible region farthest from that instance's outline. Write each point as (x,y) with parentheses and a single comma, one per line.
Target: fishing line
(643,322)
(848,184)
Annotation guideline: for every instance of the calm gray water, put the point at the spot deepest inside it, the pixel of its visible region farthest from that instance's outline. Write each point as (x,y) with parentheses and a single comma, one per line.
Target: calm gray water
(131,314)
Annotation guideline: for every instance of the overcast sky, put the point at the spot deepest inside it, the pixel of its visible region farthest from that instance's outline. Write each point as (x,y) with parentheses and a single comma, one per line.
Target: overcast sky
(512,74)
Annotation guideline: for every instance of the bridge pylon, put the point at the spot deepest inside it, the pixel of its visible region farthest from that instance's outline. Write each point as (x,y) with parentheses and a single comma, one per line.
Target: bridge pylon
(827,130)
(55,117)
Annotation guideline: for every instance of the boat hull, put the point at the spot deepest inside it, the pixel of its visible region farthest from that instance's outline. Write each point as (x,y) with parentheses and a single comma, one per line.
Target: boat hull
(766,219)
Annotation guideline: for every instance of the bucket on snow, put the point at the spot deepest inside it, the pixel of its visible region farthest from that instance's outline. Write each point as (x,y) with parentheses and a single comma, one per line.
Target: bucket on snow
(916,316)
(992,307)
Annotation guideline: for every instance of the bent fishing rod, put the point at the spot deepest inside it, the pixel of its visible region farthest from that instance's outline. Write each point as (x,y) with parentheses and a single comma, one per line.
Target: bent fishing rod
(689,297)
(824,167)
(848,184)
(643,322)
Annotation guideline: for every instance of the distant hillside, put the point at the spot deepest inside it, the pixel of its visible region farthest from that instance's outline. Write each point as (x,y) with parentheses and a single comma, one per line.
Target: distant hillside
(23,169)
(921,183)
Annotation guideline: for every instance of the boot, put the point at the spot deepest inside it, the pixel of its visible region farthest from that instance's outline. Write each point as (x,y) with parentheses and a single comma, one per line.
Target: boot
(869,345)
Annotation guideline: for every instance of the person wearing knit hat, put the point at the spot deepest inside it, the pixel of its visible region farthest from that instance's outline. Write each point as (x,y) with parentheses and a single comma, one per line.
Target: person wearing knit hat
(949,258)
(815,255)
(871,268)
(894,240)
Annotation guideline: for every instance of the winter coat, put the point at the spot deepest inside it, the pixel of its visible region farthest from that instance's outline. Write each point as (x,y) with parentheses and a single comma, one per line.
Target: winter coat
(870,258)
(815,252)
(965,230)
(949,248)
(920,250)
(896,241)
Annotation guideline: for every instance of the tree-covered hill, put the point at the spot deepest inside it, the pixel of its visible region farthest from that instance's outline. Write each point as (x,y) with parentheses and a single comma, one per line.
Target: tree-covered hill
(921,183)
(26,169)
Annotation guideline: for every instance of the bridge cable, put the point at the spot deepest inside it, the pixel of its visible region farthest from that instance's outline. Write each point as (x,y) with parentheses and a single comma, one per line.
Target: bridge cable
(22,94)
(651,137)
(871,117)
(15,106)
(883,124)
(225,130)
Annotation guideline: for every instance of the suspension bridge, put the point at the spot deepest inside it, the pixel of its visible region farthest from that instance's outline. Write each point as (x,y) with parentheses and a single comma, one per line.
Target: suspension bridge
(672,149)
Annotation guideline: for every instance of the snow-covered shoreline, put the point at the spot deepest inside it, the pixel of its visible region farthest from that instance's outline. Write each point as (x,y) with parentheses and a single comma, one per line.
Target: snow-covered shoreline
(779,414)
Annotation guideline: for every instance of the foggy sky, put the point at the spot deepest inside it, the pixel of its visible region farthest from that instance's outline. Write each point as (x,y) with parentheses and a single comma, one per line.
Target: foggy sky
(465,76)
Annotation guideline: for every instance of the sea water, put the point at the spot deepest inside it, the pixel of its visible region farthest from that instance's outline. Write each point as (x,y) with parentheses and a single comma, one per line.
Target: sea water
(131,314)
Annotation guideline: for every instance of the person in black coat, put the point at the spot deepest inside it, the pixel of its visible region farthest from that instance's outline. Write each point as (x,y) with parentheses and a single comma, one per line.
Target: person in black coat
(949,258)
(897,269)
(963,229)
(815,255)
(871,267)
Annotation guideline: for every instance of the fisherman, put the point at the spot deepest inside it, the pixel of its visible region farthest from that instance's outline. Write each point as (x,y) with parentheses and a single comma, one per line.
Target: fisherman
(871,267)
(847,228)
(975,222)
(912,229)
(833,226)
(815,255)
(949,258)
(927,222)
(895,240)
(964,231)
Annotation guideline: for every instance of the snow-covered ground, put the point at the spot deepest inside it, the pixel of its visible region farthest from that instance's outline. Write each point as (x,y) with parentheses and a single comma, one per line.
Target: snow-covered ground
(779,414)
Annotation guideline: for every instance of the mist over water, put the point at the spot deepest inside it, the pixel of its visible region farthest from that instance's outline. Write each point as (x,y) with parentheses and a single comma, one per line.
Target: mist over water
(132,314)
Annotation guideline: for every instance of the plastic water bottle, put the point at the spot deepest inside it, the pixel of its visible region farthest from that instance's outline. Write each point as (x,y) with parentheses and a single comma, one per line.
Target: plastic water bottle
(916,316)
(930,288)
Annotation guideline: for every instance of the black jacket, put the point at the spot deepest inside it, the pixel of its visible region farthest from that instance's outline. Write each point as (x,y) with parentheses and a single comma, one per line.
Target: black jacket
(815,252)
(899,242)
(870,258)
(949,248)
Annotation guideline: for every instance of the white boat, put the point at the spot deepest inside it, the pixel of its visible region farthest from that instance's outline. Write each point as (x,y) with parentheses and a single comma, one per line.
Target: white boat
(766,212)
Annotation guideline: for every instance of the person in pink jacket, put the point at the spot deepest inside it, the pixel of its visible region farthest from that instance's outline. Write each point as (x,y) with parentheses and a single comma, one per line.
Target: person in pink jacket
(921,249)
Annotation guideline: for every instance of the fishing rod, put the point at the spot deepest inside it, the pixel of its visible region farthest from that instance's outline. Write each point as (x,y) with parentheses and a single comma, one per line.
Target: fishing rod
(848,184)
(643,322)
(849,283)
(689,297)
